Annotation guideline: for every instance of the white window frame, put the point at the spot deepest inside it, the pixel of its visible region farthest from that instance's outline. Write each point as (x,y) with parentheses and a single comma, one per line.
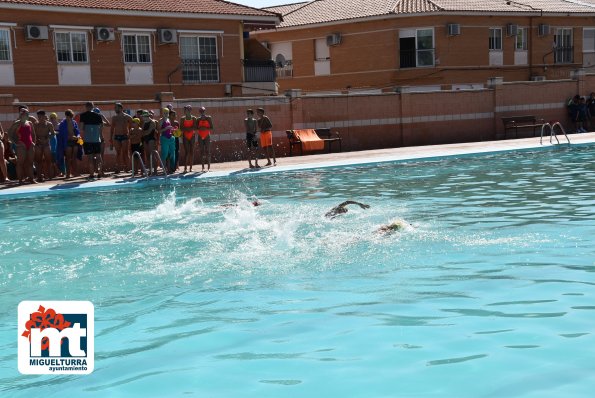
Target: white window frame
(418,50)
(8,32)
(556,34)
(491,44)
(136,35)
(197,37)
(408,33)
(71,54)
(522,32)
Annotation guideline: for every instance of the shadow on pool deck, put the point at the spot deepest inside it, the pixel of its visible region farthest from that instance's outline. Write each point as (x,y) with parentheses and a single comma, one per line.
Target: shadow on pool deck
(238,168)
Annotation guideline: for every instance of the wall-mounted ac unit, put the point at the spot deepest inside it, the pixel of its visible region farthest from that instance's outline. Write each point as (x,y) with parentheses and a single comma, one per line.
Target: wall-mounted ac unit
(334,39)
(512,29)
(168,36)
(543,29)
(105,34)
(537,78)
(454,29)
(36,32)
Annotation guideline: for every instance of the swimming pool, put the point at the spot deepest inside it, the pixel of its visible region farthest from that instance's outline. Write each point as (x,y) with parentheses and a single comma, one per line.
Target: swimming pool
(490,294)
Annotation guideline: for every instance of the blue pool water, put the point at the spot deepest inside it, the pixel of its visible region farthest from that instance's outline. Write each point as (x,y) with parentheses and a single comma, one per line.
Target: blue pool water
(490,294)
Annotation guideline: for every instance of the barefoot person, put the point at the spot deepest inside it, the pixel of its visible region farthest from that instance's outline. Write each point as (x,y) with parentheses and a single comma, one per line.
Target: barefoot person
(119,133)
(342,208)
(44,130)
(251,138)
(136,141)
(167,141)
(266,136)
(55,171)
(188,128)
(23,135)
(149,128)
(205,127)
(68,136)
(91,126)
(3,170)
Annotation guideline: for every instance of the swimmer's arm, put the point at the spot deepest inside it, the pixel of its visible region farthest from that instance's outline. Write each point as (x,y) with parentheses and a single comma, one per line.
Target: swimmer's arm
(351,202)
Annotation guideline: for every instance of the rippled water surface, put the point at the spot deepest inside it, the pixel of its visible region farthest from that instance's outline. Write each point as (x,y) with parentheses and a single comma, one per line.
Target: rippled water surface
(490,293)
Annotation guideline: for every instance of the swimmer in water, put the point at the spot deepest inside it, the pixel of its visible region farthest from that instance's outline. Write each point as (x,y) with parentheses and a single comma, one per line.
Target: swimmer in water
(254,203)
(397,225)
(342,208)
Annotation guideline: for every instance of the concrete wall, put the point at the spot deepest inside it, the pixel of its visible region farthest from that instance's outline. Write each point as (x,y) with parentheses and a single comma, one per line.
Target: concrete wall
(366,121)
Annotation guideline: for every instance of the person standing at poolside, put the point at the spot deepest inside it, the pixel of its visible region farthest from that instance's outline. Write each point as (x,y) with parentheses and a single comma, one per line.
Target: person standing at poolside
(149,127)
(266,136)
(91,126)
(3,169)
(251,138)
(22,134)
(121,123)
(55,171)
(205,128)
(68,136)
(176,131)
(136,144)
(188,127)
(167,141)
(44,130)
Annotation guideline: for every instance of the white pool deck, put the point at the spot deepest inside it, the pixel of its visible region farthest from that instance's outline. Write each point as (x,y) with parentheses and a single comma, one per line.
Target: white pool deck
(295,163)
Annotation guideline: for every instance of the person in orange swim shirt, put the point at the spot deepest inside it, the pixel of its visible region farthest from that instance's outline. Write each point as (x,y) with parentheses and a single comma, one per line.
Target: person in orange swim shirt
(266,136)
(205,127)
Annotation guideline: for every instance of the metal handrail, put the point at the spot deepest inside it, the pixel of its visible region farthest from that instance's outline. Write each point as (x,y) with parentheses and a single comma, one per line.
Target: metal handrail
(553,132)
(160,163)
(561,129)
(142,164)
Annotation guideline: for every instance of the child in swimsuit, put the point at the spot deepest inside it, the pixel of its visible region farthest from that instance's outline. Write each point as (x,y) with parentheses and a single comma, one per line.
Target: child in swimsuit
(205,127)
(188,126)
(136,145)
(25,148)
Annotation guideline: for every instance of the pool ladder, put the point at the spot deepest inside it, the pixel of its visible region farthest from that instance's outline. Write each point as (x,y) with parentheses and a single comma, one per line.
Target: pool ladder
(155,154)
(553,132)
(142,164)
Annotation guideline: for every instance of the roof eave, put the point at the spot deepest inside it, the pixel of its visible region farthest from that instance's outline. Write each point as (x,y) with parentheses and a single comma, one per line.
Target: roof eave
(431,14)
(272,17)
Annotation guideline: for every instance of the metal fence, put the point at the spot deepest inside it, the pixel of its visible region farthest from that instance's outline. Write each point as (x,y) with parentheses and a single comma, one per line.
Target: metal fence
(259,71)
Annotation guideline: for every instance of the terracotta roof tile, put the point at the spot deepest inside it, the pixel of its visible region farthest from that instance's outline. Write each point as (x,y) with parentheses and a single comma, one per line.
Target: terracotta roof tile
(323,11)
(285,8)
(184,6)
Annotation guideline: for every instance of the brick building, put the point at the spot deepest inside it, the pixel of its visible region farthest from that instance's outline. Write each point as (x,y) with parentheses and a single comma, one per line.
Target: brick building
(332,45)
(105,49)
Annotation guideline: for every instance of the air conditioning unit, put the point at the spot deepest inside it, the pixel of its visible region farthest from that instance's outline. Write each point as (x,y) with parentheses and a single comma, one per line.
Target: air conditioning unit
(454,29)
(168,36)
(105,34)
(512,29)
(36,32)
(334,39)
(543,29)
(537,78)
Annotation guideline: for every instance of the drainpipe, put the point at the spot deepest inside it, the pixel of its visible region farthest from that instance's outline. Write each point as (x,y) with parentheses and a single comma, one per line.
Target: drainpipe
(530,47)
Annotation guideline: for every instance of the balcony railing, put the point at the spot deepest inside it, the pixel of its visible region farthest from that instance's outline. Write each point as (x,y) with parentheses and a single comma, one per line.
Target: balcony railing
(285,69)
(564,55)
(259,70)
